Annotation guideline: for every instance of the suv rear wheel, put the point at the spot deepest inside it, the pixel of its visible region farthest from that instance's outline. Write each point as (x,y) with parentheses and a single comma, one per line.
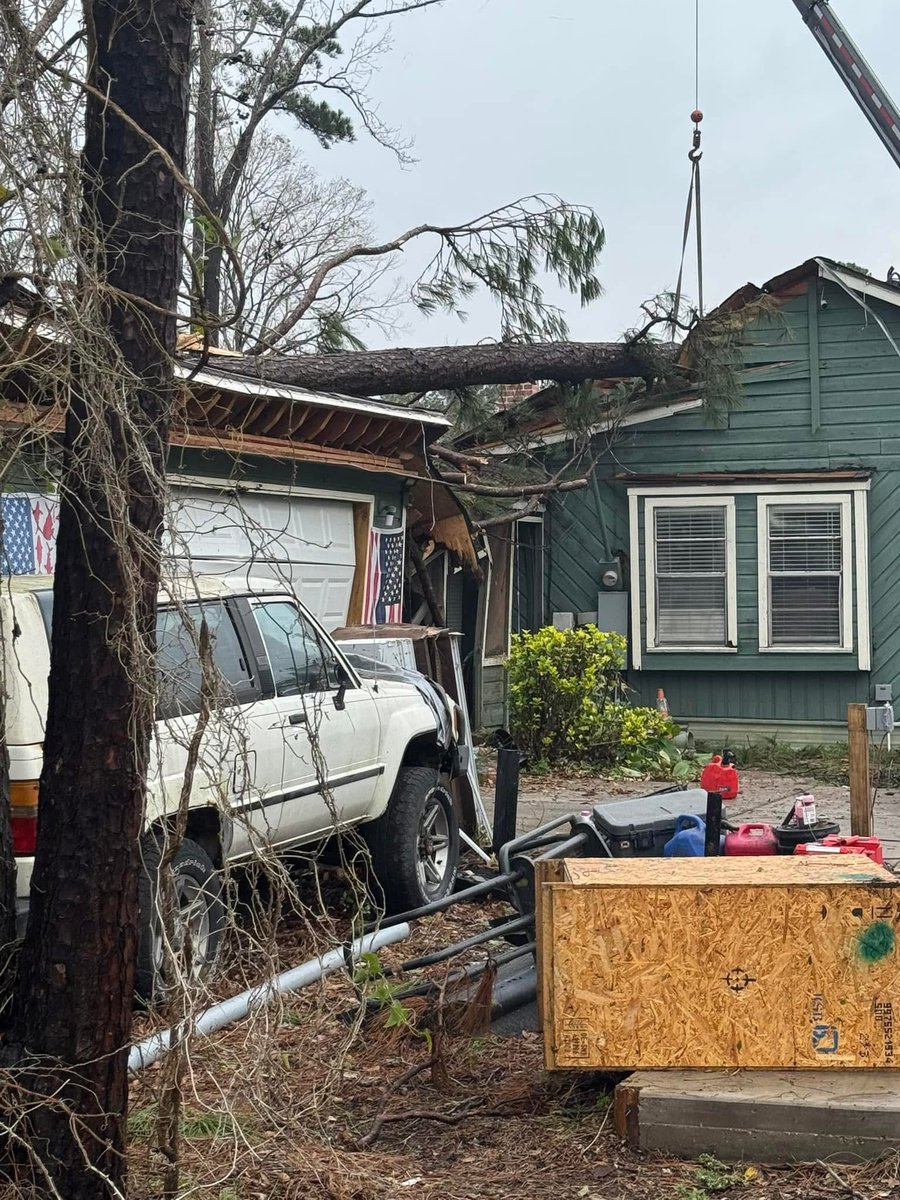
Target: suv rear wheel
(415,845)
(199,917)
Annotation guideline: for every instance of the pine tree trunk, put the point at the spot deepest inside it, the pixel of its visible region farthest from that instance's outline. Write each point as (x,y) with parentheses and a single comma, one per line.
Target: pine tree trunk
(73,1002)
(429,368)
(7,859)
(206,249)
(7,864)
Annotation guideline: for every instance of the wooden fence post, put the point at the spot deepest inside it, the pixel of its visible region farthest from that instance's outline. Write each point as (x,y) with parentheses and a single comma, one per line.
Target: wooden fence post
(860,782)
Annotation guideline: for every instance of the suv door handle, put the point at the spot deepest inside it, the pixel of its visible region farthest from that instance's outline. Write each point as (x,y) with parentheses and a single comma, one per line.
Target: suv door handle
(298,718)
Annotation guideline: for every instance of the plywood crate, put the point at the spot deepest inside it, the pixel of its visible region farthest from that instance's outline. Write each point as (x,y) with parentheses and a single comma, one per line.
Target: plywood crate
(725,962)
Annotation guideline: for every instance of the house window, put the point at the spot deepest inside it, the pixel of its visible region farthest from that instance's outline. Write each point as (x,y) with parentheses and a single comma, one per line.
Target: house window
(690,574)
(805,556)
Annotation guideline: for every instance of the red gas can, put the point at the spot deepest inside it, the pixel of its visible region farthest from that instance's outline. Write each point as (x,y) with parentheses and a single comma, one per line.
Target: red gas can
(720,777)
(835,844)
(757,838)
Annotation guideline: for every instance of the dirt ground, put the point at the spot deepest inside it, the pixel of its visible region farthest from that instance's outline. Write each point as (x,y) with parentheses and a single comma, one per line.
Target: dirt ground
(307,1101)
(314,1098)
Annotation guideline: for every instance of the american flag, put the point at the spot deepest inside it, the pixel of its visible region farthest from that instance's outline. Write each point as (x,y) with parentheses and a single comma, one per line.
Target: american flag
(29,534)
(384,579)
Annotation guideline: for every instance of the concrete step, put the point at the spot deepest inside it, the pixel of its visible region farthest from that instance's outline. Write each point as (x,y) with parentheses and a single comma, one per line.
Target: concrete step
(762,1116)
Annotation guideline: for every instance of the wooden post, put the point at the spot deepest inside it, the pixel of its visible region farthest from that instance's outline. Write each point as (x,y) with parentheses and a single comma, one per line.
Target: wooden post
(860,783)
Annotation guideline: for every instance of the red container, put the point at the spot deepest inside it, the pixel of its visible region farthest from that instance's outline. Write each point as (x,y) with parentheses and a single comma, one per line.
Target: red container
(720,778)
(757,838)
(836,844)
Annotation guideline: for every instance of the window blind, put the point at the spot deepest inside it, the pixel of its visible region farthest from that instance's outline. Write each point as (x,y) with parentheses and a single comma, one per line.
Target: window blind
(805,575)
(691,583)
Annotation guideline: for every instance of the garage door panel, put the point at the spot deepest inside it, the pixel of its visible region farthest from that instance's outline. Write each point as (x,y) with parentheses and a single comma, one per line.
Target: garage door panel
(301,541)
(299,529)
(326,596)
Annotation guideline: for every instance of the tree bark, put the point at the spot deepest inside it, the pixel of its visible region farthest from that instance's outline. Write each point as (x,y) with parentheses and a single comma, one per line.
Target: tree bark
(72,1007)
(527,489)
(7,858)
(398,371)
(428,592)
(206,250)
(7,865)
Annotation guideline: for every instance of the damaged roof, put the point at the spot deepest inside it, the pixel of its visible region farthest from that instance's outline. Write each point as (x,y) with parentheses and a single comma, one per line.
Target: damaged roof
(224,410)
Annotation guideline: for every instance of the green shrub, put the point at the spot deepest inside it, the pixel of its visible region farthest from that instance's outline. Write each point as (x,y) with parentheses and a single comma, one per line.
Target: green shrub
(567,699)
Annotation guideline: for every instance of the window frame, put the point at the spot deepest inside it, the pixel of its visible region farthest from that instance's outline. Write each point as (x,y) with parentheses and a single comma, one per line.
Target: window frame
(652,504)
(843,501)
(331,652)
(249,689)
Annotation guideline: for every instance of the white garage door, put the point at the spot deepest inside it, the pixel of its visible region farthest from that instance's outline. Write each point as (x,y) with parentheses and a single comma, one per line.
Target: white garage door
(301,540)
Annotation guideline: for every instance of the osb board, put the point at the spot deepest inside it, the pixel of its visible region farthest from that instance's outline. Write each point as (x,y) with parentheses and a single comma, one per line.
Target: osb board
(684,964)
(693,872)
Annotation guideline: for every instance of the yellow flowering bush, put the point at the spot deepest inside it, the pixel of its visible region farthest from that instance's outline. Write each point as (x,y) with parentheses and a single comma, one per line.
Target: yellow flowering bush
(567,698)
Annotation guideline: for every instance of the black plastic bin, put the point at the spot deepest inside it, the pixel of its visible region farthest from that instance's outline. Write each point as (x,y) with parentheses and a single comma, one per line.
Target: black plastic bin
(640,828)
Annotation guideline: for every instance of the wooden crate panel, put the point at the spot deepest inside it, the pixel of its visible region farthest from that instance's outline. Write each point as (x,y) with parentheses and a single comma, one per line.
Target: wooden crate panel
(776,963)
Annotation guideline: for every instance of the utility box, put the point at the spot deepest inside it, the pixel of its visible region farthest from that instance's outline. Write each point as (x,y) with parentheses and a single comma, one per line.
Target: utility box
(612,612)
(721,962)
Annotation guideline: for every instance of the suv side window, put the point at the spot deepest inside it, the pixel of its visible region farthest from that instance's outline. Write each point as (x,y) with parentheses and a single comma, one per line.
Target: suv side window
(295,652)
(178,660)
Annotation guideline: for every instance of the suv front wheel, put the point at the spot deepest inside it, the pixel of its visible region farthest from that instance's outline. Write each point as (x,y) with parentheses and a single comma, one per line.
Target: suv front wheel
(415,845)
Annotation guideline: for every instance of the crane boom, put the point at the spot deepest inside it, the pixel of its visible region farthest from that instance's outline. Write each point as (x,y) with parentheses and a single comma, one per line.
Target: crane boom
(855,71)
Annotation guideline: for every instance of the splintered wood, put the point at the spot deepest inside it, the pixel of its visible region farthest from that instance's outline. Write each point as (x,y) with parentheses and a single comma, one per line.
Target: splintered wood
(743,962)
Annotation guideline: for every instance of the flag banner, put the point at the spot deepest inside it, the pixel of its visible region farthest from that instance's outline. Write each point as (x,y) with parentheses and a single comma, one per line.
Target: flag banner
(29,534)
(383,603)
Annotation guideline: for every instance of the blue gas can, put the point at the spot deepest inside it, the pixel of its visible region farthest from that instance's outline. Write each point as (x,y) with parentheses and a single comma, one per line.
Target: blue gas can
(689,837)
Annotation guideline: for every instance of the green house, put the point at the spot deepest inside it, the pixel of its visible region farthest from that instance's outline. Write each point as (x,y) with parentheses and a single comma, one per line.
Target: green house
(755,565)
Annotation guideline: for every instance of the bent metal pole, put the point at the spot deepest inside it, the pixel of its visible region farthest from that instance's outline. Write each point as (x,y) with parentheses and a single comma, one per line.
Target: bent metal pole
(234,1009)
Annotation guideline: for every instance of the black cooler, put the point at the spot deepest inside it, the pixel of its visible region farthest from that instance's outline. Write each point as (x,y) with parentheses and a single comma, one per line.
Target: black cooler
(640,828)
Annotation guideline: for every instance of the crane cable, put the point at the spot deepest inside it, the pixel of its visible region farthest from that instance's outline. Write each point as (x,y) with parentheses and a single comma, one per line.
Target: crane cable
(694,210)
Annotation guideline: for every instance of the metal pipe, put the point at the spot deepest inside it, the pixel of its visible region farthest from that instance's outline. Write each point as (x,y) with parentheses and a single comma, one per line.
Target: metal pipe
(515,992)
(713,824)
(226,1012)
(528,839)
(487,935)
(472,971)
(435,906)
(506,797)
(563,848)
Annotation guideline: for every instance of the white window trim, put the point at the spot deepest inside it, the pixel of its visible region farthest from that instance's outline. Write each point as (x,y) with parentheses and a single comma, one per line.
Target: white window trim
(498,660)
(861,575)
(651,505)
(699,490)
(849,535)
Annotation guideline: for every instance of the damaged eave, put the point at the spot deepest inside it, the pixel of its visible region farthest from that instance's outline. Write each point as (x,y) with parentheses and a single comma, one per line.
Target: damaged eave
(637,416)
(241,415)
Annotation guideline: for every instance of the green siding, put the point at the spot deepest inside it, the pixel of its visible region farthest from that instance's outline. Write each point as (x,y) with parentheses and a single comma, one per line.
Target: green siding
(821,390)
(802,696)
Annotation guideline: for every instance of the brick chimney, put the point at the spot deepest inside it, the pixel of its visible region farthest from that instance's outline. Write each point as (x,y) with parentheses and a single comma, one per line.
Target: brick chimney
(512,393)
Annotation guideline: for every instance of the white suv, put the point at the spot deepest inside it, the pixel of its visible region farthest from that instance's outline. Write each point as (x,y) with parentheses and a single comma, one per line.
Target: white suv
(298,746)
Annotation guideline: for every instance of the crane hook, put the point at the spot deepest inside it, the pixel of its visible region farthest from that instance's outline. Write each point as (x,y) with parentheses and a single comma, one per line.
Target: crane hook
(695,153)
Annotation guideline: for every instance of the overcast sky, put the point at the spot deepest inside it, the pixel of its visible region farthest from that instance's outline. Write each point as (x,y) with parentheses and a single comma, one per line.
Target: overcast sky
(591,99)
